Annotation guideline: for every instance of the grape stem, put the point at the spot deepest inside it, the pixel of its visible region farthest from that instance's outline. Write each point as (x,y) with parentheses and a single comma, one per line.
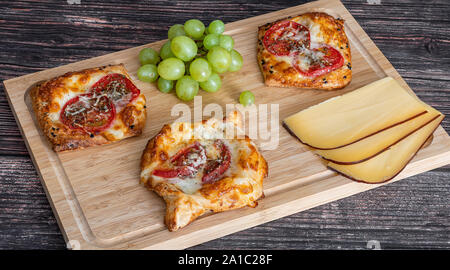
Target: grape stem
(201,53)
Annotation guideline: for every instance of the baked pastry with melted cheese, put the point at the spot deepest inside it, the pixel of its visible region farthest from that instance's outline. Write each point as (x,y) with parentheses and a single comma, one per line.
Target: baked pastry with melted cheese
(196,169)
(307,51)
(89,107)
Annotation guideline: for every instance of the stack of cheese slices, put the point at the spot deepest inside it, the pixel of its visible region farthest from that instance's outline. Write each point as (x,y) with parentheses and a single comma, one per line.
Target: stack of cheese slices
(369,134)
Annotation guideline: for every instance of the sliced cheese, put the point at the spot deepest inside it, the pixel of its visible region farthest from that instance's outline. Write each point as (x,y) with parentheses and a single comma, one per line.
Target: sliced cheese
(388,164)
(373,145)
(349,118)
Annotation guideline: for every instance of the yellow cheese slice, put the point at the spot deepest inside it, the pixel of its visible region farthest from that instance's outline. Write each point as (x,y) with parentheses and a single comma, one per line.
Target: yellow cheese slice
(388,164)
(379,142)
(349,118)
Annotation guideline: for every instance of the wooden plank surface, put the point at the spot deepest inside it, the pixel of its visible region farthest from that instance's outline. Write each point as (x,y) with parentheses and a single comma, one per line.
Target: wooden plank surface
(94,22)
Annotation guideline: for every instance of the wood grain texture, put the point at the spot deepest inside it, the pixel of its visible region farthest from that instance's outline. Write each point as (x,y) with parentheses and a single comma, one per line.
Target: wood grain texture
(412,35)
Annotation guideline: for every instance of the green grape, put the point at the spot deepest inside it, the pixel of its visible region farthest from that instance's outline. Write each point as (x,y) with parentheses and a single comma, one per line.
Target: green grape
(175,31)
(226,42)
(210,41)
(219,58)
(184,48)
(171,69)
(200,70)
(186,88)
(164,85)
(212,84)
(236,61)
(165,51)
(194,28)
(147,73)
(148,56)
(216,27)
(247,98)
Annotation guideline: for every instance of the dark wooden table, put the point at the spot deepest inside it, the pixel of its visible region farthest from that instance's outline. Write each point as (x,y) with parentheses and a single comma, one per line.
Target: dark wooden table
(414,35)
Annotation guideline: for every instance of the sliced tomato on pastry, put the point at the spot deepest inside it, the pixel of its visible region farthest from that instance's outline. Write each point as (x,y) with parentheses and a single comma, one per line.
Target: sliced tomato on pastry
(191,159)
(89,112)
(216,168)
(186,162)
(286,37)
(318,61)
(118,88)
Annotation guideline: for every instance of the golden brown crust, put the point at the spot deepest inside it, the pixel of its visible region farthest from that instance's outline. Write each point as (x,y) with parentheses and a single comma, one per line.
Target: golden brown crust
(281,74)
(222,195)
(45,99)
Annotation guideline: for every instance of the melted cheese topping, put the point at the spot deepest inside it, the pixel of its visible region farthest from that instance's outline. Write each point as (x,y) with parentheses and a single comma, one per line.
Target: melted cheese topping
(54,116)
(314,29)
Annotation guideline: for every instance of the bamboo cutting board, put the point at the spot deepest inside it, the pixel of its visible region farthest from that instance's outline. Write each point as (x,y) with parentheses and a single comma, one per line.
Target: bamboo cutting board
(96,195)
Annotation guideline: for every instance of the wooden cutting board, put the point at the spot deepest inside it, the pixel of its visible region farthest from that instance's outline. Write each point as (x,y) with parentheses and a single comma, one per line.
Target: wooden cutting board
(95,193)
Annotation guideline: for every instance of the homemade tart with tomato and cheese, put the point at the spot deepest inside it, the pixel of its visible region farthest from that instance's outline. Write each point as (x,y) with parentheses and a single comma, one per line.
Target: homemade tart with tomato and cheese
(196,168)
(307,51)
(89,107)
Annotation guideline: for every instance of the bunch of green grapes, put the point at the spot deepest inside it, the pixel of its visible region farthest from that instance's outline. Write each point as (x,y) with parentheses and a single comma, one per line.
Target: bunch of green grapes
(192,58)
